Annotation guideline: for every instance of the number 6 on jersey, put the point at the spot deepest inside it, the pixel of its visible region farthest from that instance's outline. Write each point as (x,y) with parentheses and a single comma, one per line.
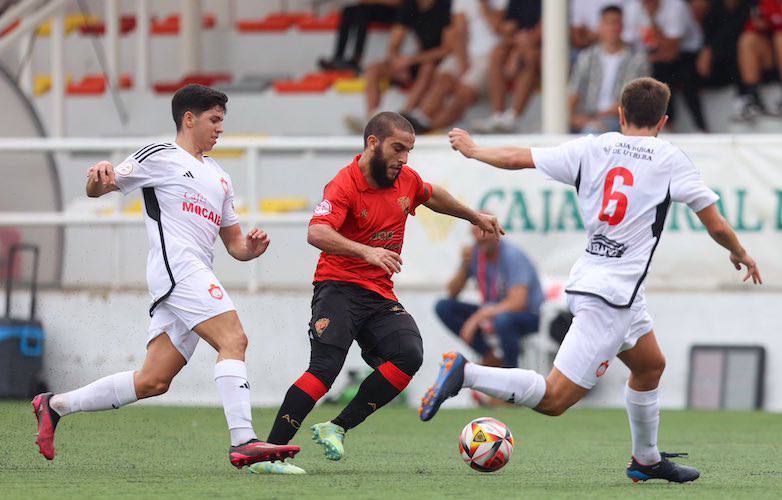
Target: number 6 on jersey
(620,208)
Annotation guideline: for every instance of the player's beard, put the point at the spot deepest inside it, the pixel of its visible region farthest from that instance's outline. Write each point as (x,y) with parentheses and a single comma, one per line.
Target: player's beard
(379,171)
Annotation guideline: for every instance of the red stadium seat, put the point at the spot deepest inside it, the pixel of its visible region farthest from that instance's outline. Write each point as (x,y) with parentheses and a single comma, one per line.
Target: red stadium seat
(96,84)
(280,21)
(329,22)
(10,28)
(208,79)
(126,25)
(311,82)
(170,24)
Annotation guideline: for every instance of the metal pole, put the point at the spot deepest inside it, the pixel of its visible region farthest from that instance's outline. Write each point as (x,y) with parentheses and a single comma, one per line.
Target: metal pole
(58,75)
(555,67)
(190,37)
(112,42)
(252,201)
(31,22)
(142,45)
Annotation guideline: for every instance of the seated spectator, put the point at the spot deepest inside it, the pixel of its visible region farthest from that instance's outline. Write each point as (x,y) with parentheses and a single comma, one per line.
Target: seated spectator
(668,32)
(426,19)
(355,19)
(599,74)
(463,75)
(585,20)
(760,51)
(723,24)
(515,61)
(511,293)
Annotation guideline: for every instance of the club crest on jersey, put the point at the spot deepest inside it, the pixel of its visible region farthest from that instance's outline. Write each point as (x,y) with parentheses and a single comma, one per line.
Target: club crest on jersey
(602,369)
(224,183)
(216,292)
(321,325)
(323,208)
(124,169)
(404,204)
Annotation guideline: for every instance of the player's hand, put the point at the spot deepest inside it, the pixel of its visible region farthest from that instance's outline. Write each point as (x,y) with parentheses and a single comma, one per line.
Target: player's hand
(489,225)
(462,142)
(470,328)
(257,242)
(752,268)
(388,260)
(102,173)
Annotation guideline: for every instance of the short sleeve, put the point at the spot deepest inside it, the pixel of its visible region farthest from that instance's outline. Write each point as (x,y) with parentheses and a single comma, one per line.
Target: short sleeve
(131,174)
(229,210)
(334,207)
(519,270)
(687,185)
(422,191)
(561,163)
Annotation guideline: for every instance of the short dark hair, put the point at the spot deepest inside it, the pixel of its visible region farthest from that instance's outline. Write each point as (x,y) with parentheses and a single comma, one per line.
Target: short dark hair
(382,125)
(196,99)
(644,101)
(611,9)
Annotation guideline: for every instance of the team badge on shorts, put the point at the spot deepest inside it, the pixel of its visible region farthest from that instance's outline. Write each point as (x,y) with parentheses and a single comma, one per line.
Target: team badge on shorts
(602,369)
(321,325)
(216,292)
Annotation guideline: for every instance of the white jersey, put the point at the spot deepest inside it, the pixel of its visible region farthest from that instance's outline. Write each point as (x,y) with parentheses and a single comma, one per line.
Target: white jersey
(625,185)
(186,202)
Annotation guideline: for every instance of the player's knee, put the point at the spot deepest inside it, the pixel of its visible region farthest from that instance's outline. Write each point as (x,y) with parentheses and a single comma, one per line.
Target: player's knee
(411,354)
(443,308)
(150,386)
(553,407)
(657,368)
(503,322)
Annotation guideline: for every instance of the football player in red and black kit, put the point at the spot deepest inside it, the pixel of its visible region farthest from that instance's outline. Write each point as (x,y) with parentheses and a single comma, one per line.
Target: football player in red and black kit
(359,226)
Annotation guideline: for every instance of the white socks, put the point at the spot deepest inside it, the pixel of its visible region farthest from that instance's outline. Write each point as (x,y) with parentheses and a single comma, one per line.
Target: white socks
(643,411)
(521,387)
(231,381)
(106,393)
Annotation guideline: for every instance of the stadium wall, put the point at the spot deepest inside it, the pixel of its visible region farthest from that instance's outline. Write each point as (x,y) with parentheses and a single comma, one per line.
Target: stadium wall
(91,334)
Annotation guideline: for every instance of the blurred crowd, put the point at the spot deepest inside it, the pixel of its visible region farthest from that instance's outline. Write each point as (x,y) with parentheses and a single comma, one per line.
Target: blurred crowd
(473,49)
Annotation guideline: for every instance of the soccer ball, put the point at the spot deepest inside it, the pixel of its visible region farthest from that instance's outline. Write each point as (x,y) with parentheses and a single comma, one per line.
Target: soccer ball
(486,444)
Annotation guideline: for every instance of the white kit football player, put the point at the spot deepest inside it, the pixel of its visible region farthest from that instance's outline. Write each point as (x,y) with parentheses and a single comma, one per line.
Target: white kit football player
(625,183)
(188,202)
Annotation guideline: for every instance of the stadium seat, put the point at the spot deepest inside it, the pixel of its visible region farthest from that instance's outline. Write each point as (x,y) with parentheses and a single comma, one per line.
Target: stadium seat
(96,84)
(280,21)
(281,205)
(208,79)
(72,22)
(252,83)
(126,25)
(170,25)
(10,28)
(329,22)
(312,82)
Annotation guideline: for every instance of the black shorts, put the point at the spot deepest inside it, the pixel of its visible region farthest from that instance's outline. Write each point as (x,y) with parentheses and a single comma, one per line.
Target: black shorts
(343,312)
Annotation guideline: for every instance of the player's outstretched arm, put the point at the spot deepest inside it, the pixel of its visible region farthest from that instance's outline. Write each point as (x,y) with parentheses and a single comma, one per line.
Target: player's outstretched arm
(327,239)
(100,179)
(508,158)
(721,232)
(443,202)
(244,247)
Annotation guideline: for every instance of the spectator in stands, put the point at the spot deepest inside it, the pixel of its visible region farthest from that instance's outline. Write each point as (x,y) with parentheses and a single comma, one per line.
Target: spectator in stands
(355,19)
(585,18)
(426,19)
(600,73)
(723,24)
(667,30)
(511,299)
(461,77)
(516,59)
(759,51)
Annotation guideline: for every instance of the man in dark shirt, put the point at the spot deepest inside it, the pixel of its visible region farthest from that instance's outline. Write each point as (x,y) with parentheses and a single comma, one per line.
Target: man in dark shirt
(426,20)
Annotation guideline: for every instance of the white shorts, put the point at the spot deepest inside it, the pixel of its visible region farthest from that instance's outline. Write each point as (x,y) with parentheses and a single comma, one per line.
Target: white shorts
(194,300)
(599,332)
(477,75)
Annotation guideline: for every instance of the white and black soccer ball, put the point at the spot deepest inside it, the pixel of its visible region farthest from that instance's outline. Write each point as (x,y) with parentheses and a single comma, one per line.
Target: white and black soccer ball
(486,444)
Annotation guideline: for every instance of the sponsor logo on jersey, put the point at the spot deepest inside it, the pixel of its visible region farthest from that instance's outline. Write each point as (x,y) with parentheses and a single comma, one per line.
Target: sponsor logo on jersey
(404,204)
(323,208)
(606,247)
(189,175)
(602,369)
(202,211)
(124,169)
(382,236)
(216,292)
(224,183)
(321,325)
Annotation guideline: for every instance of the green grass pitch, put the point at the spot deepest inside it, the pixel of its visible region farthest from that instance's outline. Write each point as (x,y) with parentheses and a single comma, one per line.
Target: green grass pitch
(150,451)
